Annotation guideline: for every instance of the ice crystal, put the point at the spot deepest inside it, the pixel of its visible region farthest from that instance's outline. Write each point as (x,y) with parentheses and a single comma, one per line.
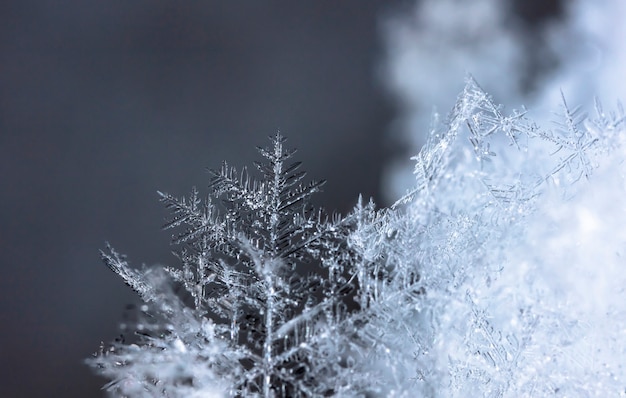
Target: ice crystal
(264,280)
(500,274)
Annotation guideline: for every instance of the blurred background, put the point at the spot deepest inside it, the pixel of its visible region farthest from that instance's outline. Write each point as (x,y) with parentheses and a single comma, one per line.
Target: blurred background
(103,103)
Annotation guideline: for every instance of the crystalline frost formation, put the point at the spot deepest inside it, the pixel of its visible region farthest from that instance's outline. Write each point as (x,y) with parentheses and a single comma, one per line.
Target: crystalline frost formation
(458,289)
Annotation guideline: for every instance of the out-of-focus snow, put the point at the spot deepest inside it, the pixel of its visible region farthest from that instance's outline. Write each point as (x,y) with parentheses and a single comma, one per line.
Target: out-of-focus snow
(431,48)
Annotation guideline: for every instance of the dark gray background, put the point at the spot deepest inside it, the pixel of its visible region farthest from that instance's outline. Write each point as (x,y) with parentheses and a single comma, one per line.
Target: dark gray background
(102,103)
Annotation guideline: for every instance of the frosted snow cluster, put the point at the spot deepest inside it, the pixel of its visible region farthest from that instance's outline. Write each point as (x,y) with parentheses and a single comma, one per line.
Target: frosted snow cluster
(516,231)
(500,274)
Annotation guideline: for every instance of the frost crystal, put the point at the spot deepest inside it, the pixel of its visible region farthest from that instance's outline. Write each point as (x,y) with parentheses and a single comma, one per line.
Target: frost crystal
(264,282)
(499,275)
